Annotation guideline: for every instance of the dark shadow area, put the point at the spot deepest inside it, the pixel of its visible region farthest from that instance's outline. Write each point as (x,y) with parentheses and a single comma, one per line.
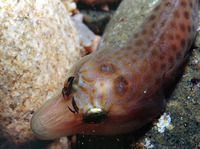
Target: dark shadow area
(96,18)
(35,144)
(122,141)
(97,7)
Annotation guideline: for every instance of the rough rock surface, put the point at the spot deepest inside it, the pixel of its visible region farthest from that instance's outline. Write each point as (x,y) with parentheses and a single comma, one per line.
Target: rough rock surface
(96,1)
(38,44)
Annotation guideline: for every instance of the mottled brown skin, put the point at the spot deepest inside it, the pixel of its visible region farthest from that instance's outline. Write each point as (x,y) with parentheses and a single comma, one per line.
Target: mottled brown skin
(124,86)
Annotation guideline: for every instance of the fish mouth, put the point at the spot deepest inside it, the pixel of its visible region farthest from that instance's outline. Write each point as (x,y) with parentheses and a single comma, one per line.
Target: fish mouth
(54,119)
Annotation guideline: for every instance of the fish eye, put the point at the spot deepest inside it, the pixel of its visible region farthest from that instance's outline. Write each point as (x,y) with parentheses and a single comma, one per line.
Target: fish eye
(94,116)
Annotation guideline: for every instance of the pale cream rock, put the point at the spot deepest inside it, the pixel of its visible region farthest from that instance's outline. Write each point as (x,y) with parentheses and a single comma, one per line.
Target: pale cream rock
(88,40)
(38,44)
(70,5)
(62,143)
(96,1)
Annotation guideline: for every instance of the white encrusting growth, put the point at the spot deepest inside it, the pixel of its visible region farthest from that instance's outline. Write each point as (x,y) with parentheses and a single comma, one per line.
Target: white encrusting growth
(164,122)
(148,144)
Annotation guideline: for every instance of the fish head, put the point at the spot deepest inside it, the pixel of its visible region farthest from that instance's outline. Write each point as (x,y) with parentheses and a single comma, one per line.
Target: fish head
(92,100)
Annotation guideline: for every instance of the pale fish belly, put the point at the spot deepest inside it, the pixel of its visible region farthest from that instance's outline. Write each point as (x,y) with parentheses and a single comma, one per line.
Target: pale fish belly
(114,91)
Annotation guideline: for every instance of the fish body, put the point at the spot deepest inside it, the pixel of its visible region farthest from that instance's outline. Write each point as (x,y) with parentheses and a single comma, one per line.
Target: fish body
(118,90)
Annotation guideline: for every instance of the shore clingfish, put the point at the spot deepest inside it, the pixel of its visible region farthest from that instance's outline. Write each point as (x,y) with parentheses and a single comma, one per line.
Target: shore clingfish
(118,90)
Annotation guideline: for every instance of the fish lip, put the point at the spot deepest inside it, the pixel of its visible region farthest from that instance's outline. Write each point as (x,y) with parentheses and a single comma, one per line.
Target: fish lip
(34,128)
(37,127)
(53,119)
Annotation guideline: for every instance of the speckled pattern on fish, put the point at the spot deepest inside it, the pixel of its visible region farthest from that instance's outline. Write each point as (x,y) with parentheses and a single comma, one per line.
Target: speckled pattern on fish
(119,90)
